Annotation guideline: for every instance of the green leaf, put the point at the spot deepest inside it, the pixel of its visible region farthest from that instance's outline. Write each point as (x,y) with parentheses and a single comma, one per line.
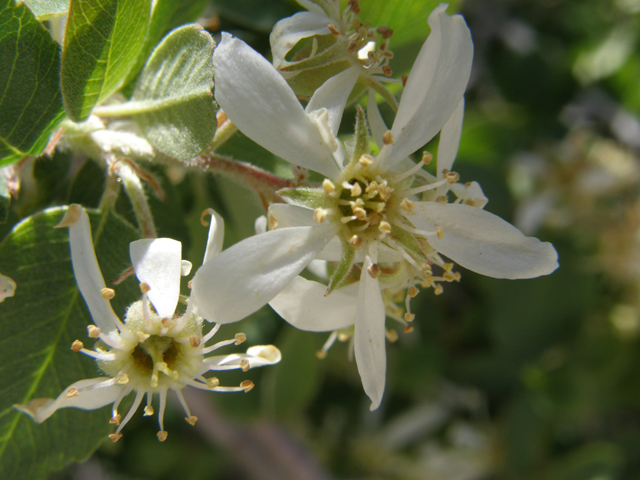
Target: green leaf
(407,19)
(37,327)
(101,44)
(172,103)
(31,103)
(46,9)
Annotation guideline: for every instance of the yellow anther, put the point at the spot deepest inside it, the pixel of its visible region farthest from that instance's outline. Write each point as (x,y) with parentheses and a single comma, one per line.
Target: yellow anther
(328,186)
(448,266)
(72,392)
(213,382)
(240,337)
(428,282)
(408,329)
(452,177)
(321,354)
(442,199)
(93,331)
(387,72)
(407,205)
(356,190)
(107,293)
(77,346)
(246,385)
(142,336)
(320,215)
(372,188)
(426,158)
(456,276)
(144,287)
(162,367)
(114,437)
(409,317)
(360,213)
(162,435)
(391,335)
(122,379)
(333,29)
(384,227)
(191,420)
(115,420)
(355,240)
(387,138)
(244,365)
(194,341)
(438,289)
(148,411)
(449,277)
(412,292)
(343,337)
(365,160)
(439,232)
(374,270)
(469,202)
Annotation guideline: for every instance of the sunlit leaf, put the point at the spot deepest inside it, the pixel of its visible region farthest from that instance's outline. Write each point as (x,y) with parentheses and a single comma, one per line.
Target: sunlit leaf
(47,9)
(101,44)
(30,103)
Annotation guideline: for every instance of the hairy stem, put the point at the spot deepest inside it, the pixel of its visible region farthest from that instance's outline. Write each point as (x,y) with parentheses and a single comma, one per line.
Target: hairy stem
(135,191)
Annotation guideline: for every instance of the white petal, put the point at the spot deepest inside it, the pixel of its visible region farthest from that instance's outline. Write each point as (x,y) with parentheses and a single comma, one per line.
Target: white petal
(87,272)
(289,31)
(304,305)
(246,276)
(435,86)
(311,6)
(260,103)
(376,122)
(7,287)
(42,408)
(483,242)
(450,139)
(157,262)
(216,236)
(369,337)
(185,267)
(257,356)
(333,95)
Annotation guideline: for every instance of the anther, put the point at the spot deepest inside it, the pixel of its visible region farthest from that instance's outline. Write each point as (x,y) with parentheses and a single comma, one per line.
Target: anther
(246,385)
(412,292)
(365,160)
(115,419)
(442,199)
(407,205)
(213,382)
(408,329)
(426,158)
(162,435)
(194,341)
(374,270)
(385,31)
(328,186)
(321,354)
(404,80)
(469,202)
(144,287)
(387,138)
(355,240)
(391,335)
(240,337)
(449,277)
(447,267)
(386,71)
(360,213)
(93,331)
(333,29)
(354,6)
(244,365)
(107,293)
(343,337)
(409,317)
(72,392)
(122,379)
(438,289)
(148,411)
(356,190)
(456,276)
(114,437)
(142,336)
(452,177)
(439,232)
(384,227)
(320,215)
(191,420)
(77,346)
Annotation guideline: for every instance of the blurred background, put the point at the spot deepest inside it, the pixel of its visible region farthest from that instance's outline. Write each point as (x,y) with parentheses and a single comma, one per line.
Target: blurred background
(531,379)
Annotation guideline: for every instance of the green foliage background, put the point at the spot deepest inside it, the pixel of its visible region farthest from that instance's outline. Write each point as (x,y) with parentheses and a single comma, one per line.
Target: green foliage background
(500,379)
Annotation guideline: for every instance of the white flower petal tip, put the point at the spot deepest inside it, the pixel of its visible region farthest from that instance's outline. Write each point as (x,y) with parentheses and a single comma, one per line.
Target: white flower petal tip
(264,355)
(71,216)
(158,263)
(7,287)
(185,267)
(483,242)
(215,238)
(85,394)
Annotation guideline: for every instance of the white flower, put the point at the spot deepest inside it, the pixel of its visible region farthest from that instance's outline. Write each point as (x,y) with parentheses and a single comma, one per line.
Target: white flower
(379,211)
(340,45)
(156,349)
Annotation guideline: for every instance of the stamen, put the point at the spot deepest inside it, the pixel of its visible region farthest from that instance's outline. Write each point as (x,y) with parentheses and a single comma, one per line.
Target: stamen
(162,435)
(132,410)
(104,356)
(321,354)
(320,214)
(107,293)
(185,406)
(246,385)
(374,270)
(333,29)
(211,333)
(93,331)
(328,186)
(114,437)
(77,346)
(387,138)
(409,172)
(424,188)
(407,205)
(391,335)
(384,227)
(355,240)
(365,160)
(240,338)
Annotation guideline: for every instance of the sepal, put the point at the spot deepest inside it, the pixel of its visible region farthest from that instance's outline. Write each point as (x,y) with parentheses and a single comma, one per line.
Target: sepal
(304,197)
